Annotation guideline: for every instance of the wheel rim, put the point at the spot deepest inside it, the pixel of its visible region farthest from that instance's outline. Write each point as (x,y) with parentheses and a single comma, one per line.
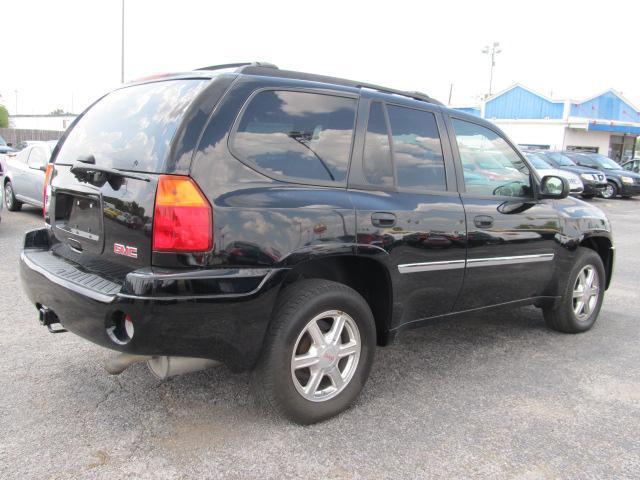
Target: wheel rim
(325,356)
(586,291)
(608,191)
(8,195)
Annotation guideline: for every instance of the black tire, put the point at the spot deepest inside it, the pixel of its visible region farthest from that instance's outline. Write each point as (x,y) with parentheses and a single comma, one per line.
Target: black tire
(560,315)
(611,191)
(297,305)
(588,197)
(13,205)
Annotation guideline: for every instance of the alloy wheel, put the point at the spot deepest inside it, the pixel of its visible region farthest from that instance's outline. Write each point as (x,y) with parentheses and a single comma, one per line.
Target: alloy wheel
(325,356)
(608,191)
(8,195)
(586,291)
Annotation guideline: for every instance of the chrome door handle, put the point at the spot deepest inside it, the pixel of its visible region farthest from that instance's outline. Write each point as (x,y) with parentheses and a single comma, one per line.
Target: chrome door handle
(483,221)
(383,219)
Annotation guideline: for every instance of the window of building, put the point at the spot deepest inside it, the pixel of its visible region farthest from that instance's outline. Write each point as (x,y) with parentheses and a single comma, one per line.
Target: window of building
(490,165)
(299,135)
(376,160)
(416,149)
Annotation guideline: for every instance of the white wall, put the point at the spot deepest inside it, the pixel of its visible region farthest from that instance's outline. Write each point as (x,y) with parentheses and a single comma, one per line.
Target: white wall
(43,122)
(535,133)
(578,137)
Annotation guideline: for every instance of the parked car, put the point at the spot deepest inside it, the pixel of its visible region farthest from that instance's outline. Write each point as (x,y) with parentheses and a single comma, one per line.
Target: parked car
(594,182)
(543,168)
(286,235)
(23,181)
(632,165)
(619,181)
(4,147)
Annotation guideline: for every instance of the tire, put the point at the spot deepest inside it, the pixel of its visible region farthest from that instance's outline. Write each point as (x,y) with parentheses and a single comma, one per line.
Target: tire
(611,191)
(280,387)
(13,205)
(564,315)
(587,197)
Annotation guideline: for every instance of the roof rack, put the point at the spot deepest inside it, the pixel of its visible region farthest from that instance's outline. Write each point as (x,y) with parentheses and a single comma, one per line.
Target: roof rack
(258,68)
(238,65)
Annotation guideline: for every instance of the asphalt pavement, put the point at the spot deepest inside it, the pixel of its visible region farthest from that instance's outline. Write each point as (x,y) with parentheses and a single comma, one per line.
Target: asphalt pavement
(495,395)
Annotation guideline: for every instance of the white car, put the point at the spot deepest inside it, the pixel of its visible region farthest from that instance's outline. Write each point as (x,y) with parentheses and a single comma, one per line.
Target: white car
(543,168)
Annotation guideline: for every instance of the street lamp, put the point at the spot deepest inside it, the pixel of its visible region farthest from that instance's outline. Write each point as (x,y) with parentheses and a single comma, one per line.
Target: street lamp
(122,52)
(492,51)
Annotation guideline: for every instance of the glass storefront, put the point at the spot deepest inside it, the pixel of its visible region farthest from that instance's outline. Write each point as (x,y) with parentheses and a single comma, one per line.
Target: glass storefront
(621,147)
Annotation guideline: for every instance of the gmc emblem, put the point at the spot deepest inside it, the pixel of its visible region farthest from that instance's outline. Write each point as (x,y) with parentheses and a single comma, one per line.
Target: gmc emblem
(120,249)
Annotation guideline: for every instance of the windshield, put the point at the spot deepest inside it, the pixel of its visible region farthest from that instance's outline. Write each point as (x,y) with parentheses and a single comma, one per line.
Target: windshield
(605,162)
(131,128)
(559,159)
(537,161)
(2,142)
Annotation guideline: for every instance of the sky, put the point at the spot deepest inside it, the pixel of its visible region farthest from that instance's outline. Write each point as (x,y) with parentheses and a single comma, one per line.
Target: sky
(66,53)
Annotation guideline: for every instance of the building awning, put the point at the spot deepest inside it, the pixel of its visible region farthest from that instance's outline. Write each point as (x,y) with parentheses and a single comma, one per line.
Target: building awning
(604,127)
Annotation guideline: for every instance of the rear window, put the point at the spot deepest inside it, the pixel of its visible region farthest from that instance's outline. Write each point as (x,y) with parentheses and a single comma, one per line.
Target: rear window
(131,128)
(298,135)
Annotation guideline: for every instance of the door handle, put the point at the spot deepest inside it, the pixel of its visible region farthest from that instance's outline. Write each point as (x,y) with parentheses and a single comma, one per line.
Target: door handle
(383,219)
(483,221)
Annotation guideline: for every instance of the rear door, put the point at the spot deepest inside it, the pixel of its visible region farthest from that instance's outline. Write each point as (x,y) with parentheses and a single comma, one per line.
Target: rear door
(34,174)
(103,217)
(19,167)
(511,236)
(409,214)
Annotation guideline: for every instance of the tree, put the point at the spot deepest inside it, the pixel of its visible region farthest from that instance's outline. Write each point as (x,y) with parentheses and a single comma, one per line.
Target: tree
(57,111)
(4,117)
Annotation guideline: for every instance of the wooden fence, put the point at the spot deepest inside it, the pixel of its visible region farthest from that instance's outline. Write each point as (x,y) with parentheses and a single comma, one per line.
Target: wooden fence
(16,135)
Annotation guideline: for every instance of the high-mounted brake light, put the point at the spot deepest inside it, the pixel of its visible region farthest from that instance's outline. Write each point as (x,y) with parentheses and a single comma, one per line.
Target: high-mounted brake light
(46,190)
(182,218)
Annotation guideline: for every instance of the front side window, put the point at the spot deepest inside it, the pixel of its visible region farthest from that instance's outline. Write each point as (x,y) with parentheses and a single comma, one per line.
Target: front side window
(490,165)
(297,134)
(376,160)
(416,149)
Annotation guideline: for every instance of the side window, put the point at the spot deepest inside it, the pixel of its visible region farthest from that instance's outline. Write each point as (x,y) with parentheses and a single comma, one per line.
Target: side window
(416,149)
(297,134)
(37,158)
(490,165)
(376,161)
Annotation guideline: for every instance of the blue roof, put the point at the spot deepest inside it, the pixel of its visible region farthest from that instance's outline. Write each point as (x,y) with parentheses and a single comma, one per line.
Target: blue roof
(519,102)
(608,106)
(470,110)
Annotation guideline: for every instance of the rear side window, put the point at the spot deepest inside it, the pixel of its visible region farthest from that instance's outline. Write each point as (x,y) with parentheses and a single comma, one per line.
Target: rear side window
(299,135)
(131,128)
(376,160)
(38,157)
(416,149)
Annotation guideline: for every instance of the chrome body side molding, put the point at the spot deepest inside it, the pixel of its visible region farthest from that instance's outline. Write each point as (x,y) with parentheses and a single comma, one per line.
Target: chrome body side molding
(474,262)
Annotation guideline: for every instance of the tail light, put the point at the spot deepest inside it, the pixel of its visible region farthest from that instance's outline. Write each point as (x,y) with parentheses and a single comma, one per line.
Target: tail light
(182,218)
(46,193)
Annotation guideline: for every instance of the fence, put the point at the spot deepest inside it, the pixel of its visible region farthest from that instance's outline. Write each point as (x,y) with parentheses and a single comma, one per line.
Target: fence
(16,135)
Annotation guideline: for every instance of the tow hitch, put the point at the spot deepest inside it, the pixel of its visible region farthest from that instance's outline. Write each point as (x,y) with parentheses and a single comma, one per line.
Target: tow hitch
(47,318)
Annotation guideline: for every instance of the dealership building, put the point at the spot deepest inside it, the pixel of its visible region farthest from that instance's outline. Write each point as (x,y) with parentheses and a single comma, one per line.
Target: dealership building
(606,123)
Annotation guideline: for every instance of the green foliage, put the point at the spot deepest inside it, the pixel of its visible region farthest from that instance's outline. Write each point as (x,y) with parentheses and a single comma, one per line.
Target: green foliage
(4,117)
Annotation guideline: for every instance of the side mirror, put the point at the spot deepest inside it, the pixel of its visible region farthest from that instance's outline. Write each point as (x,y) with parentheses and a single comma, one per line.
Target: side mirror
(552,186)
(42,168)
(9,144)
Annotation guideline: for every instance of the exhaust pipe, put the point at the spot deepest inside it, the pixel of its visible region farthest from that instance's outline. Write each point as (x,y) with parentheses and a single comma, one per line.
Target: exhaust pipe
(161,366)
(165,367)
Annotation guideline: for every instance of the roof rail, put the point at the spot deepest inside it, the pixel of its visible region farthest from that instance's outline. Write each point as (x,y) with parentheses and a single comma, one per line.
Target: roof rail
(238,65)
(261,69)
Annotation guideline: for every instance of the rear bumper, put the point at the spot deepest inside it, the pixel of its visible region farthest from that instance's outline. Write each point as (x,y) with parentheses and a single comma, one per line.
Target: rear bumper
(221,314)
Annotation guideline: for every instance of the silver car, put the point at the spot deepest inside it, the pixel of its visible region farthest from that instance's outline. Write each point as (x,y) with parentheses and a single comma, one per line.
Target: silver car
(544,168)
(24,173)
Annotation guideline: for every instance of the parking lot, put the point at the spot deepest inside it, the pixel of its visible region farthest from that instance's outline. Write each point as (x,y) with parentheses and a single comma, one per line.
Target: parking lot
(492,395)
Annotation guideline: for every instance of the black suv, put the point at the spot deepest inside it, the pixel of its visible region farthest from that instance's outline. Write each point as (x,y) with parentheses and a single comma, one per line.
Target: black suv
(288,223)
(619,181)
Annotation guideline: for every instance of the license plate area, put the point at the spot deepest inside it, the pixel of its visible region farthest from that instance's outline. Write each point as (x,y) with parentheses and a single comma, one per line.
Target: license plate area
(78,221)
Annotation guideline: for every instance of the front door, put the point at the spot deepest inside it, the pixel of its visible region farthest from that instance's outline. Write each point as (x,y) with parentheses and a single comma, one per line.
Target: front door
(510,235)
(409,214)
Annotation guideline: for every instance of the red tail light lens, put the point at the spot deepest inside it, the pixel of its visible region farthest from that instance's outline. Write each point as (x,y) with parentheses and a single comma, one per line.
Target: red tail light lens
(182,218)
(46,189)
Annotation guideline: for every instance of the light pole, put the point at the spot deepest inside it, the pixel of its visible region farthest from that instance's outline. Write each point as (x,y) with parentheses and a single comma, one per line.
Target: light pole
(16,92)
(492,51)
(122,52)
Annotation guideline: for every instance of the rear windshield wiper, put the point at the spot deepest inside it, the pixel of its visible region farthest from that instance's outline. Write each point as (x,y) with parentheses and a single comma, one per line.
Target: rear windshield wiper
(87,164)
